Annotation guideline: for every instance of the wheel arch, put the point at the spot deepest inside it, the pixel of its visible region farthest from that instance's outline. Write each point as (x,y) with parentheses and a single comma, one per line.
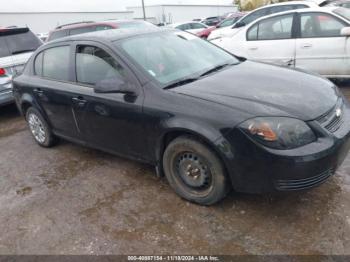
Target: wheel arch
(210,141)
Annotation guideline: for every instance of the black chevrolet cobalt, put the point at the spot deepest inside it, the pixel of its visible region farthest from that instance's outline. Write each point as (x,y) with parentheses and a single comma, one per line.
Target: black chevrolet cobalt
(207,120)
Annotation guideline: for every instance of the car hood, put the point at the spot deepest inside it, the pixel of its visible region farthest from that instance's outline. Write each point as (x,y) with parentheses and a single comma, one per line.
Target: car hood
(259,89)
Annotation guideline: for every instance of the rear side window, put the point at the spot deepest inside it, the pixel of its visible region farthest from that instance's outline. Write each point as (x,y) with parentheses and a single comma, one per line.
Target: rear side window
(94,64)
(274,28)
(82,30)
(53,63)
(58,34)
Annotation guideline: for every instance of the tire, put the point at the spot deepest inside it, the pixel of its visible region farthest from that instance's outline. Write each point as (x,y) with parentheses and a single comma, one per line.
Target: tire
(194,171)
(39,128)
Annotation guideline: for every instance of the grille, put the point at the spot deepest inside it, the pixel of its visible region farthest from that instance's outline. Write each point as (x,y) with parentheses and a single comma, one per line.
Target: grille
(298,184)
(331,121)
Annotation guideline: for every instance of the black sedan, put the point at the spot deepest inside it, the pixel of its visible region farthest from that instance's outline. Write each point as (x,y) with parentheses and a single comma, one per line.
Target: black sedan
(206,119)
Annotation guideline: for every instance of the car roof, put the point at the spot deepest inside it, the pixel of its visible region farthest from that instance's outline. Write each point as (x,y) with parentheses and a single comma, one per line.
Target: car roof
(112,35)
(308,3)
(303,10)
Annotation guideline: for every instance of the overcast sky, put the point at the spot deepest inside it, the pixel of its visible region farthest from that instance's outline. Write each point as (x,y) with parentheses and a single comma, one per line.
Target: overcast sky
(88,5)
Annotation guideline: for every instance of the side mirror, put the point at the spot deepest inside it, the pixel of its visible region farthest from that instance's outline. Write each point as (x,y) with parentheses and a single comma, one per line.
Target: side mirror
(238,24)
(345,31)
(115,85)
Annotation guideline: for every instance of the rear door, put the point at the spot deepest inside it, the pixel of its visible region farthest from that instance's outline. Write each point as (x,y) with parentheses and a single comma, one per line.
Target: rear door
(320,47)
(272,40)
(53,88)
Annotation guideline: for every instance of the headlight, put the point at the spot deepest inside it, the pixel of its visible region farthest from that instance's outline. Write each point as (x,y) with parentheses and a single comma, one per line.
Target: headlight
(279,132)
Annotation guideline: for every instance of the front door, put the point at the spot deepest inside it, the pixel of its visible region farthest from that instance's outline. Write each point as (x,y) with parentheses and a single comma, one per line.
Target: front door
(113,121)
(320,47)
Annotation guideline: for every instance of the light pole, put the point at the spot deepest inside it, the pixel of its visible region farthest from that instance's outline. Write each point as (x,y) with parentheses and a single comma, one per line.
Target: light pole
(144,10)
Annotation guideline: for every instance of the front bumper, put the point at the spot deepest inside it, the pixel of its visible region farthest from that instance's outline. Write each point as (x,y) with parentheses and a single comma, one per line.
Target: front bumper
(254,168)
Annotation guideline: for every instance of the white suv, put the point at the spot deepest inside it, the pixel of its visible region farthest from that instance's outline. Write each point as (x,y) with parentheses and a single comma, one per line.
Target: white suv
(16,47)
(258,13)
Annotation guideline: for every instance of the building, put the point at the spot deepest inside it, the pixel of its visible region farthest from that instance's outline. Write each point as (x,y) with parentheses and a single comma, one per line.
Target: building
(167,13)
(43,22)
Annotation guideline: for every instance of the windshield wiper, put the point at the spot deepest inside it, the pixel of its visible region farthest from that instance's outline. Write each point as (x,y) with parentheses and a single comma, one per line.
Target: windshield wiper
(216,68)
(22,51)
(181,82)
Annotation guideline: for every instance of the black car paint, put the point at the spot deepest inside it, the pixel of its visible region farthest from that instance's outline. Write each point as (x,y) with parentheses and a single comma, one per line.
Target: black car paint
(211,108)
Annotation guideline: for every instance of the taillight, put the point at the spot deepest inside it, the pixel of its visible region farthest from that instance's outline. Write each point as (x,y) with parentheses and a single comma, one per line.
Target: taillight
(2,72)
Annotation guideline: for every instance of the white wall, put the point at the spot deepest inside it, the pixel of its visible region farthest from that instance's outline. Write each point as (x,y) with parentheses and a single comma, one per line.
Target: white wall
(181,13)
(44,22)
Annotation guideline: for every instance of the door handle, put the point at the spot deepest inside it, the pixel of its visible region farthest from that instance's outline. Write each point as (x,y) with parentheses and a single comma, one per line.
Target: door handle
(306,45)
(79,101)
(253,48)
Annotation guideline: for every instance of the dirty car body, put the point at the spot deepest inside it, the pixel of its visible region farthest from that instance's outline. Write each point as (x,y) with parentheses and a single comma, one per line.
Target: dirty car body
(273,128)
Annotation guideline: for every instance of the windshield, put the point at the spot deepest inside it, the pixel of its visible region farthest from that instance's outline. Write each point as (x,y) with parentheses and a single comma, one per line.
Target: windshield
(228,22)
(172,56)
(14,42)
(343,12)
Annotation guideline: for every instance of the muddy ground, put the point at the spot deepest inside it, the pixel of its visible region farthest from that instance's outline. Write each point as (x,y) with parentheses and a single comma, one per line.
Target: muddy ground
(73,200)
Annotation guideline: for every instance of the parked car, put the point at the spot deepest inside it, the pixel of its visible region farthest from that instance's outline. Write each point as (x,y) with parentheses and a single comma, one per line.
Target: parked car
(91,26)
(315,39)
(340,3)
(16,46)
(43,36)
(191,27)
(229,21)
(258,13)
(212,21)
(168,98)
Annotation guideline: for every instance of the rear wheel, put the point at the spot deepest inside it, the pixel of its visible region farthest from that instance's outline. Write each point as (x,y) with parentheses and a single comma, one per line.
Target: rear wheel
(39,128)
(194,171)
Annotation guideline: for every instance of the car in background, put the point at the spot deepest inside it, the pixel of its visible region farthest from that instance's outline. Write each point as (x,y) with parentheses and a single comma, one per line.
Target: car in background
(229,21)
(91,26)
(340,3)
(258,13)
(314,39)
(43,36)
(212,21)
(191,27)
(206,119)
(16,47)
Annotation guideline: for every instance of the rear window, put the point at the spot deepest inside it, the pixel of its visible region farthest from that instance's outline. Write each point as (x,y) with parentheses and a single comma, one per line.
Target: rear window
(17,41)
(134,25)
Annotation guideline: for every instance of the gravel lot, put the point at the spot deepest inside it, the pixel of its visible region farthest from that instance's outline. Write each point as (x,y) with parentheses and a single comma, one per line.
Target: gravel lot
(73,200)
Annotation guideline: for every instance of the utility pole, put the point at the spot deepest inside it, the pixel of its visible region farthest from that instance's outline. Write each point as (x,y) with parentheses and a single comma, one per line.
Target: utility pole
(144,10)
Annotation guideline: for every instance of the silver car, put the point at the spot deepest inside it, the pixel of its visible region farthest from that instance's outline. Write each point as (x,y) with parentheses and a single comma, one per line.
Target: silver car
(16,47)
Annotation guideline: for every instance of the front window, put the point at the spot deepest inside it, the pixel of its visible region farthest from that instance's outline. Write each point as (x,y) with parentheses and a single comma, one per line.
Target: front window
(320,25)
(171,56)
(94,64)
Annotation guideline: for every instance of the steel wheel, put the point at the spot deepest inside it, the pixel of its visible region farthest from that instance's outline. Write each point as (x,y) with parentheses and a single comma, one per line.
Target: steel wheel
(193,170)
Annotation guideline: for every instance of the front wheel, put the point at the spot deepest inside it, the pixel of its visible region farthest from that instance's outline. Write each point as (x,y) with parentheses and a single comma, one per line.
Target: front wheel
(194,171)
